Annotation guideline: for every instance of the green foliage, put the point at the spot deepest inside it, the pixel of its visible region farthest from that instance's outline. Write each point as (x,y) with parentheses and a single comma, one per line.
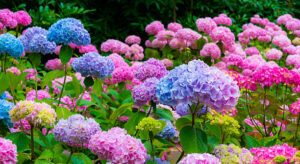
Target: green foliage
(193,140)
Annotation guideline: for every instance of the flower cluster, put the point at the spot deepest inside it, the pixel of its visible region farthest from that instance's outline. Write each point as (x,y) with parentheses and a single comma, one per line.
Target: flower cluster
(14,70)
(39,95)
(151,68)
(38,114)
(114,46)
(267,154)
(8,151)
(71,103)
(31,74)
(92,64)
(9,19)
(168,132)
(68,30)
(76,131)
(133,39)
(200,158)
(5,107)
(117,147)
(149,124)
(295,108)
(122,74)
(196,82)
(233,154)
(9,44)
(229,125)
(145,92)
(211,50)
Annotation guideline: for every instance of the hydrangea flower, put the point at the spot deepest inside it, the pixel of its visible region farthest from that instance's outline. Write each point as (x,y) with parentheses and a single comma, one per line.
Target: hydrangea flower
(167,63)
(133,39)
(31,74)
(295,108)
(200,158)
(229,154)
(117,60)
(41,94)
(23,18)
(114,46)
(197,82)
(71,103)
(14,70)
(149,124)
(7,19)
(76,131)
(122,74)
(273,54)
(151,68)
(135,52)
(117,147)
(154,27)
(222,19)
(92,64)
(68,30)
(174,26)
(206,25)
(168,131)
(281,41)
(38,114)
(9,44)
(8,152)
(5,107)
(211,50)
(145,92)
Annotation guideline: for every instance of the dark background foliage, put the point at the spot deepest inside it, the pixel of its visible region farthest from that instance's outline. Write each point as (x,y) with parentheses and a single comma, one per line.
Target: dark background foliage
(119,18)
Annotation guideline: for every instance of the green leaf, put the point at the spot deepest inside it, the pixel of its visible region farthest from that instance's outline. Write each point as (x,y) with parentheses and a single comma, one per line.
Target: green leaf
(88,82)
(42,162)
(121,110)
(65,54)
(80,158)
(4,83)
(50,76)
(22,157)
(20,140)
(193,140)
(183,121)
(35,59)
(269,141)
(133,121)
(164,113)
(251,142)
(46,154)
(63,113)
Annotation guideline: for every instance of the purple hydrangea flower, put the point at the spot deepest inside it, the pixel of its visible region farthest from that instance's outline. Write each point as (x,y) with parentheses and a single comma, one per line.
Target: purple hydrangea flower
(151,68)
(76,131)
(69,30)
(145,92)
(92,64)
(169,131)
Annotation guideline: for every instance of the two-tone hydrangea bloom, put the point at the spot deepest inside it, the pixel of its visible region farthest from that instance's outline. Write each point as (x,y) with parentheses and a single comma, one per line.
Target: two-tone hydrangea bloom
(204,158)
(5,107)
(38,114)
(35,40)
(8,152)
(92,64)
(196,82)
(76,131)
(151,68)
(229,154)
(145,92)
(68,30)
(168,131)
(117,147)
(9,44)
(41,94)
(149,124)
(268,154)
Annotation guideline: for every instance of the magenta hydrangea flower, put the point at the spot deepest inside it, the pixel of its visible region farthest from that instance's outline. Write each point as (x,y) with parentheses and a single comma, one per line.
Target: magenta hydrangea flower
(122,74)
(211,50)
(54,64)
(23,18)
(295,108)
(135,52)
(252,51)
(76,131)
(117,60)
(31,74)
(222,19)
(145,92)
(283,19)
(8,152)
(267,154)
(268,75)
(281,41)
(154,27)
(174,26)
(114,46)
(206,25)
(273,54)
(200,159)
(133,39)
(7,18)
(41,94)
(117,147)
(151,68)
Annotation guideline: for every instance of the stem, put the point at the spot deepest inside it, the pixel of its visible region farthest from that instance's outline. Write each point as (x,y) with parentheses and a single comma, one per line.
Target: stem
(63,85)
(3,64)
(78,102)
(69,158)
(180,157)
(32,141)
(283,111)
(297,128)
(264,110)
(152,146)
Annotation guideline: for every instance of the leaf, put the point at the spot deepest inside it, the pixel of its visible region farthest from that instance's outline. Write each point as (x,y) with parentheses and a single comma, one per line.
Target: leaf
(193,140)
(251,142)
(65,54)
(42,162)
(4,83)
(63,113)
(22,157)
(183,121)
(35,59)
(88,82)
(164,113)
(20,140)
(80,158)
(133,121)
(121,110)
(46,154)
(50,76)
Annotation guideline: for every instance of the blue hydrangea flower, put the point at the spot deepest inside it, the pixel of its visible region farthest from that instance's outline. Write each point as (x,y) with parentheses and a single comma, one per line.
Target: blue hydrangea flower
(3,96)
(9,44)
(35,41)
(5,107)
(92,64)
(68,30)
(168,132)
(196,82)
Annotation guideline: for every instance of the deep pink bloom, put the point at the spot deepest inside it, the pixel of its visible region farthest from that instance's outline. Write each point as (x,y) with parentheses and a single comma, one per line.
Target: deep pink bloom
(23,18)
(154,27)
(41,94)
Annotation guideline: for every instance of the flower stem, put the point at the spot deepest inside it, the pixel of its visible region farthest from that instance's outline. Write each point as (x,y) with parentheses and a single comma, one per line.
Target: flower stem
(32,141)
(63,85)
(297,128)
(152,146)
(70,156)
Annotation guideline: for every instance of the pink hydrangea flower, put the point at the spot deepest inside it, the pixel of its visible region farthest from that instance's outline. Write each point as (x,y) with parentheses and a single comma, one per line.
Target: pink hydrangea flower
(174,26)
(117,60)
(31,74)
(57,83)
(14,70)
(71,103)
(187,36)
(165,35)
(223,19)
(154,27)
(158,43)
(269,74)
(8,152)
(252,51)
(283,19)
(293,24)
(122,74)
(167,62)
(281,41)
(133,39)
(206,25)
(253,62)
(260,21)
(54,64)
(195,158)
(253,122)
(224,35)
(291,50)
(293,60)
(114,46)
(41,94)
(7,18)
(211,50)
(273,54)
(87,48)
(295,108)
(135,52)
(23,18)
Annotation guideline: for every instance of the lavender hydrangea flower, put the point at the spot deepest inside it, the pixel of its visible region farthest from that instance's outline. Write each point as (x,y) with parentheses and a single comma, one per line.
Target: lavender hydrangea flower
(145,92)
(76,131)
(92,64)
(69,30)
(168,132)
(200,158)
(5,107)
(11,45)
(196,82)
(35,40)
(151,68)
(183,109)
